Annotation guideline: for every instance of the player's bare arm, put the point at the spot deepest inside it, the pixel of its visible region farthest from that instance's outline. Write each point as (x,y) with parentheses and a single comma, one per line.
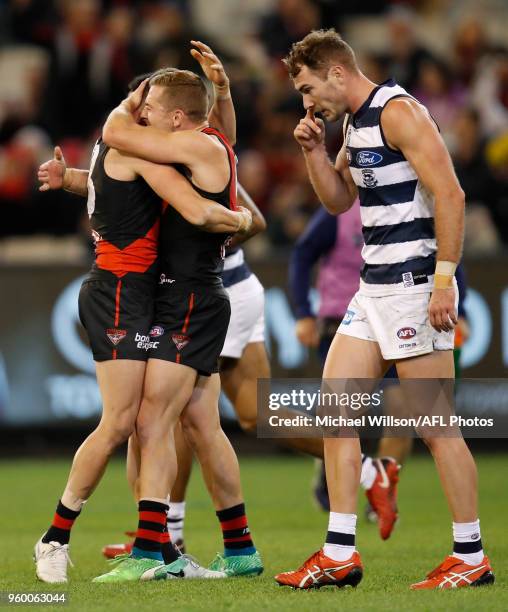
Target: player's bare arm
(172,187)
(258,220)
(222,114)
(122,132)
(407,126)
(54,174)
(333,184)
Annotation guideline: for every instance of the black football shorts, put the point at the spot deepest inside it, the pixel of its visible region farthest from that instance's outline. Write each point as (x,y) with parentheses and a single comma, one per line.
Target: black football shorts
(117,315)
(190,327)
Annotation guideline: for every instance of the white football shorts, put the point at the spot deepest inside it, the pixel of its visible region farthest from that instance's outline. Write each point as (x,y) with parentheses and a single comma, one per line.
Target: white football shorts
(247,323)
(398,323)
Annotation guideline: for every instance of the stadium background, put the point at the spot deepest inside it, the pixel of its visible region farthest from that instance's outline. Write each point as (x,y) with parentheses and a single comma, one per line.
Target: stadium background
(64,64)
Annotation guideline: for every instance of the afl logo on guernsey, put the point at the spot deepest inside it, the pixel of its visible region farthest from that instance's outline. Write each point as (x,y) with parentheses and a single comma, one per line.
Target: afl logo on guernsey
(156,331)
(406,332)
(368,158)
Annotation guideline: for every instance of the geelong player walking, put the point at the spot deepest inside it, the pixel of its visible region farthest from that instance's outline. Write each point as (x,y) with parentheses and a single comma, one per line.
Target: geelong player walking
(412,210)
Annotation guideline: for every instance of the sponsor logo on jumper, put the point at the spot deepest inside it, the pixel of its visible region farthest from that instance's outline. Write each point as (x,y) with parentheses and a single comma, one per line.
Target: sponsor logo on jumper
(156,331)
(180,341)
(368,158)
(406,332)
(420,278)
(144,342)
(348,317)
(369,178)
(163,280)
(116,335)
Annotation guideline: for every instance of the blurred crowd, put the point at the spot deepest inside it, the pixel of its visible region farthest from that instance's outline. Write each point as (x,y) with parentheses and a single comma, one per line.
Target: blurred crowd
(65,63)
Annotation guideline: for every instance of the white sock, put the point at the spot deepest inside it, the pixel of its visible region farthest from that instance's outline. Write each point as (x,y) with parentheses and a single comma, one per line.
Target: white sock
(467,542)
(368,474)
(340,539)
(176,518)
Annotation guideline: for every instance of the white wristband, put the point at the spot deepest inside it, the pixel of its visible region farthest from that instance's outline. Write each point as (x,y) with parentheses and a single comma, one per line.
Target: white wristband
(447,268)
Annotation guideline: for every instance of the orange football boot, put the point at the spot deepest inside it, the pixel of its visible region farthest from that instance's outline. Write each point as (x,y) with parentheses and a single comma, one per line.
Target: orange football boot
(453,573)
(110,551)
(382,495)
(320,570)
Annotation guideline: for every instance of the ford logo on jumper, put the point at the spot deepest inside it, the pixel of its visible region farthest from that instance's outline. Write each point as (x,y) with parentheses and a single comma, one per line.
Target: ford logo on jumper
(368,158)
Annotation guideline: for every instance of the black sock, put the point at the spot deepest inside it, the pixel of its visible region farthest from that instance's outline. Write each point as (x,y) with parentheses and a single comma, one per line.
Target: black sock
(60,529)
(169,551)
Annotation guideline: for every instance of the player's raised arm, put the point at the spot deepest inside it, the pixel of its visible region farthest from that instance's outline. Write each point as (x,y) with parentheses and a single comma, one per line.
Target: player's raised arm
(172,187)
(427,154)
(222,114)
(54,174)
(333,184)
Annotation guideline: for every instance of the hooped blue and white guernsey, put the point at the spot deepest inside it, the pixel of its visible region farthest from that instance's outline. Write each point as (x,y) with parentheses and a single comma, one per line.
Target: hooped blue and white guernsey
(397,211)
(235,267)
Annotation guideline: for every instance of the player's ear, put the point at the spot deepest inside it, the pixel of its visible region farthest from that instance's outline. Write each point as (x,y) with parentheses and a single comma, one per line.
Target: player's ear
(336,72)
(178,117)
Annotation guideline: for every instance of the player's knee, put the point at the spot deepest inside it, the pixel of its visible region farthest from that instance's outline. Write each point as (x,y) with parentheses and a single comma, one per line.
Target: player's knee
(198,434)
(118,431)
(433,444)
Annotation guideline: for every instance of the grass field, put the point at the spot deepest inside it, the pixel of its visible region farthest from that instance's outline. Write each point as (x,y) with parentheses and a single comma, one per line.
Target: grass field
(286,528)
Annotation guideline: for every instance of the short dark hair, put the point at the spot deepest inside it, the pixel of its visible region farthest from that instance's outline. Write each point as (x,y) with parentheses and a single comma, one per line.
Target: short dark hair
(185,90)
(318,51)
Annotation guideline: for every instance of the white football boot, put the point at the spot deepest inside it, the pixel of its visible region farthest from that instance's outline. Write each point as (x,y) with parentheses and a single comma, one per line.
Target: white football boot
(51,561)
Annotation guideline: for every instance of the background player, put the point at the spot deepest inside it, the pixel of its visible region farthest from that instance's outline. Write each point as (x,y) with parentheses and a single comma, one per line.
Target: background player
(407,277)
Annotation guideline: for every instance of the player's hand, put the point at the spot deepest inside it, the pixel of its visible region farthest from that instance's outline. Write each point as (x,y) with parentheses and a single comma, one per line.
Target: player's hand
(310,132)
(246,221)
(442,313)
(210,64)
(136,98)
(52,173)
(307,331)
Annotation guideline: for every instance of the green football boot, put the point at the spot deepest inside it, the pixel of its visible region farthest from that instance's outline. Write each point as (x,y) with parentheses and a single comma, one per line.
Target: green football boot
(238,565)
(130,569)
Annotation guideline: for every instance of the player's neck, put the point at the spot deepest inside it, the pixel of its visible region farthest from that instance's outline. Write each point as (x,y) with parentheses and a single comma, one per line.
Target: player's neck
(201,126)
(361,88)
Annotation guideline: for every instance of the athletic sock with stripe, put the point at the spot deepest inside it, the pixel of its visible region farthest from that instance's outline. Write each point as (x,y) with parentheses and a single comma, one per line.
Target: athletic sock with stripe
(60,529)
(235,531)
(467,542)
(340,539)
(152,522)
